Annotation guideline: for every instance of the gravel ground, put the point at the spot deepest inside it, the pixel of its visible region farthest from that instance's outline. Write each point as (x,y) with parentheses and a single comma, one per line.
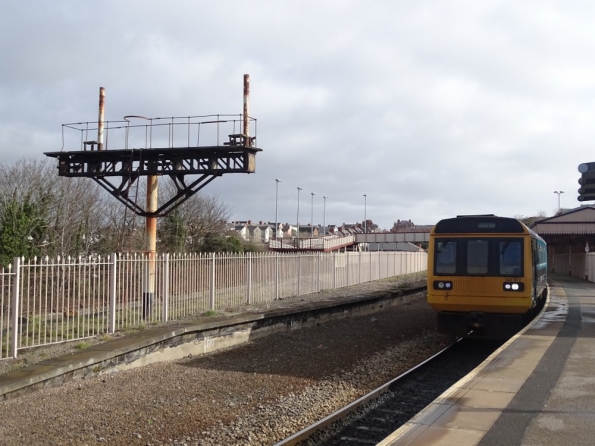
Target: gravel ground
(254,394)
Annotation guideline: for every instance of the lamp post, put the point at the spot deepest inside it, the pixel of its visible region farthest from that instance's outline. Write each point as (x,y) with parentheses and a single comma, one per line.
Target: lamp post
(558,192)
(277,181)
(298,213)
(365,217)
(312,216)
(324,197)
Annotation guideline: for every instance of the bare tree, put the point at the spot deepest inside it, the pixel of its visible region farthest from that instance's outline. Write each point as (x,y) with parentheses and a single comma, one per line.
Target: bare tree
(42,213)
(185,227)
(529,221)
(60,216)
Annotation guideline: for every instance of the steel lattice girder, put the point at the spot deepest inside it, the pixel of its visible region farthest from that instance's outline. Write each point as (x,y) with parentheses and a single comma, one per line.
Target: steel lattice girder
(186,161)
(129,165)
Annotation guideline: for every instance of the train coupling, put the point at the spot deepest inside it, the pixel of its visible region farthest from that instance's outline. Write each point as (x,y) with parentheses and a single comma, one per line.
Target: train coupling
(476,320)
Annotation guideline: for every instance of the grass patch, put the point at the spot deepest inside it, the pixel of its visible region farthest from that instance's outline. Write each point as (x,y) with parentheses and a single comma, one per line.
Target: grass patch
(82,345)
(209,313)
(134,329)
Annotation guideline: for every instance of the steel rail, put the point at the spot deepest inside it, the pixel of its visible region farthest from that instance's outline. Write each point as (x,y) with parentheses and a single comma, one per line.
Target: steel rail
(353,406)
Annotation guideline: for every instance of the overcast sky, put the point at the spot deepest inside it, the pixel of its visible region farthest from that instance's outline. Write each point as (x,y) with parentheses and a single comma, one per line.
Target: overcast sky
(430,108)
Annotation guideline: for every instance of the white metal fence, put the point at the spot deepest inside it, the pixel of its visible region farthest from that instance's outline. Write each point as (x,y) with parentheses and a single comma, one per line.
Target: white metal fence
(45,301)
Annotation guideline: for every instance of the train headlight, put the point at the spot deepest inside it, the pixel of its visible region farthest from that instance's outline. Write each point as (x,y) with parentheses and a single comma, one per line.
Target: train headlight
(514,286)
(443,285)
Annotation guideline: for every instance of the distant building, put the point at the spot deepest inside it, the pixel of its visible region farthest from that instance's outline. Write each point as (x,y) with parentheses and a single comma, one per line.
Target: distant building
(276,232)
(409,226)
(254,233)
(355,228)
(259,233)
(332,230)
(266,231)
(306,231)
(288,231)
(241,228)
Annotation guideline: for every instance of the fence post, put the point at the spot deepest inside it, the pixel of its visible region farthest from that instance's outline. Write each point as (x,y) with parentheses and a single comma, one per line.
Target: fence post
(359,267)
(387,257)
(334,269)
(249,287)
(165,309)
(319,260)
(14,339)
(111,323)
(402,263)
(276,275)
(212,284)
(348,268)
(299,272)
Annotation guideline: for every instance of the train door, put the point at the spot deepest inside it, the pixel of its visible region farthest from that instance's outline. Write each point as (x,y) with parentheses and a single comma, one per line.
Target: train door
(534,263)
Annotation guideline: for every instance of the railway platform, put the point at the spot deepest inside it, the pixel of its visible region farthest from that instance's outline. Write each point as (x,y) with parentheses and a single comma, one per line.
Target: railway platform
(537,389)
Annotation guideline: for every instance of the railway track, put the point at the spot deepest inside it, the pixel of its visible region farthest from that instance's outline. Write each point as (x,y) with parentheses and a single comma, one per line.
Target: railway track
(374,416)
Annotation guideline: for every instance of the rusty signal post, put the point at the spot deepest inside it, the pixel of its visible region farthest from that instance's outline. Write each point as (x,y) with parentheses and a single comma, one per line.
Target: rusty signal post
(190,151)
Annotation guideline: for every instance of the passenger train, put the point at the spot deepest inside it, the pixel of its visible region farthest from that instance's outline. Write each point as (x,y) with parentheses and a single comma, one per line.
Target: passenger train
(486,275)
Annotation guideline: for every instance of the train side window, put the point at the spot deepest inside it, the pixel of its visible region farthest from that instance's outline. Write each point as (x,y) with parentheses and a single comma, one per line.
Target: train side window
(542,255)
(510,258)
(477,256)
(446,257)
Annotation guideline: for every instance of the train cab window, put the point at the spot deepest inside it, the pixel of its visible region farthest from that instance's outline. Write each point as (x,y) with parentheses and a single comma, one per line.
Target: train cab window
(477,256)
(510,258)
(446,256)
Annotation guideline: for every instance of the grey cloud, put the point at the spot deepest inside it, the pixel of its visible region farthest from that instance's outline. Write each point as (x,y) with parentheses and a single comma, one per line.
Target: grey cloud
(432,109)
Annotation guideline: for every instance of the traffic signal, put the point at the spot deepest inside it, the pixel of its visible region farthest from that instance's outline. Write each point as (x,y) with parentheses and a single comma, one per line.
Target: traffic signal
(587,182)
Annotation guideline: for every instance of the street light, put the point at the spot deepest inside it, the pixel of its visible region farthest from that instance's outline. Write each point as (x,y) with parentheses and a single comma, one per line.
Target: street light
(277,181)
(324,215)
(298,213)
(365,217)
(312,217)
(558,192)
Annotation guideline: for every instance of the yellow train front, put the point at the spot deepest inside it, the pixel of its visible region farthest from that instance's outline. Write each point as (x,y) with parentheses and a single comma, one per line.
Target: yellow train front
(486,275)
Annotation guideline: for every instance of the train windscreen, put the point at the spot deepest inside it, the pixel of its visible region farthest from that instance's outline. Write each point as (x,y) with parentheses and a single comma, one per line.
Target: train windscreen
(479,256)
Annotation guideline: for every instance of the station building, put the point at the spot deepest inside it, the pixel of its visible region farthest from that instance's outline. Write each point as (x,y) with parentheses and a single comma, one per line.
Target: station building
(570,236)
